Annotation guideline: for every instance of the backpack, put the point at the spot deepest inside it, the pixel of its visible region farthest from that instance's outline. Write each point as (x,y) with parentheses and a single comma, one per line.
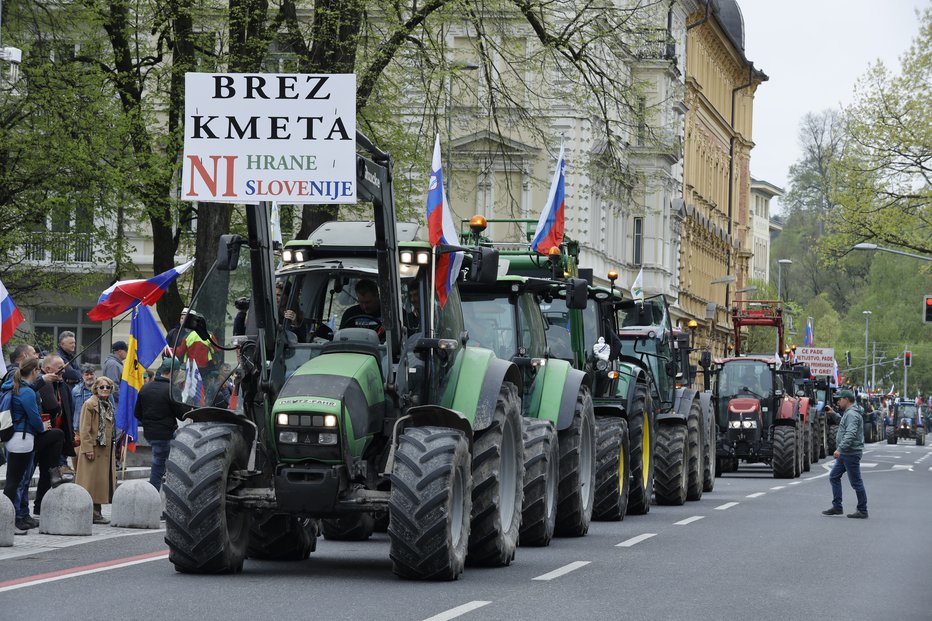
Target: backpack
(6,415)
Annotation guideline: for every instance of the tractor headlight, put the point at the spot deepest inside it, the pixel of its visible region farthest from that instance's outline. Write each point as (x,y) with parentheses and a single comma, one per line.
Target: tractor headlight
(288,437)
(330,421)
(287,256)
(734,424)
(327,439)
(299,256)
(282,419)
(750,424)
(601,365)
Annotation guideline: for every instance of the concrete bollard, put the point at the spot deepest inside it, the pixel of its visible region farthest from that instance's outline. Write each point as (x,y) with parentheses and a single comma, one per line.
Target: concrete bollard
(67,510)
(136,504)
(7,519)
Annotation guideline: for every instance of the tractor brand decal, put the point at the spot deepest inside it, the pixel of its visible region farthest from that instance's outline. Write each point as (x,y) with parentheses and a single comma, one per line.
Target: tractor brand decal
(309,401)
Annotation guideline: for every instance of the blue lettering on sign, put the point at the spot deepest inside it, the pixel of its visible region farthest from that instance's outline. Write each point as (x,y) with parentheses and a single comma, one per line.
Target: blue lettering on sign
(250,187)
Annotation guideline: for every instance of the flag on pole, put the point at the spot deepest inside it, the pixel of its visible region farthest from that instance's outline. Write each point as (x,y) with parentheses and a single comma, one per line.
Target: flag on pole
(276,223)
(126,294)
(441,229)
(193,391)
(551,225)
(10,318)
(808,340)
(637,289)
(146,342)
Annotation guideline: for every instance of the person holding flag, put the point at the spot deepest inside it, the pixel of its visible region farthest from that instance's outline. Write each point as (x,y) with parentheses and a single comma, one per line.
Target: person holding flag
(441,230)
(551,225)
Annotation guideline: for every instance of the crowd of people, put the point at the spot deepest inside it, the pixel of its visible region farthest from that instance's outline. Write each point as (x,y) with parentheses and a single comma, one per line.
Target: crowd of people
(64,425)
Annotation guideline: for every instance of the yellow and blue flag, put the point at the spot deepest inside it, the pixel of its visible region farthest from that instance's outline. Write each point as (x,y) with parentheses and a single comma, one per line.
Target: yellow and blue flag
(146,342)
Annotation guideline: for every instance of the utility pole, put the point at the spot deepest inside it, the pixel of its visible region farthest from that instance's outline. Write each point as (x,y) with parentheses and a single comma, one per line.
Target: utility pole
(905,374)
(874,368)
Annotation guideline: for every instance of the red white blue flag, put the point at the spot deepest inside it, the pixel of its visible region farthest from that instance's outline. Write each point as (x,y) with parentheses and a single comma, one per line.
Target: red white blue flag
(10,316)
(441,229)
(807,342)
(551,225)
(126,294)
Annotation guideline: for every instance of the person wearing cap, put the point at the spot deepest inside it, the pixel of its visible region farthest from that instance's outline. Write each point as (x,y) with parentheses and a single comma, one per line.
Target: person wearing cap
(159,414)
(83,391)
(849,443)
(172,338)
(113,367)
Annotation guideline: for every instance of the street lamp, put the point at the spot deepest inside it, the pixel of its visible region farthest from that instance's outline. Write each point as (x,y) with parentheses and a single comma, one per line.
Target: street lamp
(866,246)
(867,321)
(780,264)
(448,173)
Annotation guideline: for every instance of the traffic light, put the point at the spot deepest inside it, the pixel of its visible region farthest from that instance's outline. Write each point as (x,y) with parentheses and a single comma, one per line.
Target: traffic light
(907,358)
(927,309)
(848,358)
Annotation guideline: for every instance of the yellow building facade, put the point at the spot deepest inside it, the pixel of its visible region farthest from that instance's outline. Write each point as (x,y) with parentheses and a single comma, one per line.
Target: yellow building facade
(715,246)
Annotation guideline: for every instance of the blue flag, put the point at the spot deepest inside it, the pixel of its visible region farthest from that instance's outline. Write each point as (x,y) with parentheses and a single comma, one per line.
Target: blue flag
(146,342)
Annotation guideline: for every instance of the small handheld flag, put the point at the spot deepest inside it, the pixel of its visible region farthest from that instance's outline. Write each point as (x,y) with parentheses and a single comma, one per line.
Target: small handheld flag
(146,342)
(441,229)
(551,225)
(126,294)
(808,341)
(10,318)
(637,289)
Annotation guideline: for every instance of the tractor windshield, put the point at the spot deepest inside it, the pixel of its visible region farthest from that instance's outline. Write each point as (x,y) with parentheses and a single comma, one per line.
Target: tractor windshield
(557,317)
(906,410)
(490,321)
(745,377)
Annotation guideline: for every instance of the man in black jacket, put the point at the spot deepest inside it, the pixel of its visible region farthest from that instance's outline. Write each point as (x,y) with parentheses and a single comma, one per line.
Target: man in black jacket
(159,416)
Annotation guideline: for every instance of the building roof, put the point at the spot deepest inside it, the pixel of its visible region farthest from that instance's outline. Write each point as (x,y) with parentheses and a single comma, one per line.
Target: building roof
(729,16)
(765,187)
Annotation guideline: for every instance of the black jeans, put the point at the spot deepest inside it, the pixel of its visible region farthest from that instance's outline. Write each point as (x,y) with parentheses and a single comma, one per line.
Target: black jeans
(47,449)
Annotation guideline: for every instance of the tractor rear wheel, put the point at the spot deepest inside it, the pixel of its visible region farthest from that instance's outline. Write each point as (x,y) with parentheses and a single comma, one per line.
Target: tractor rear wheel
(709,460)
(671,476)
(278,537)
(832,432)
(352,527)
(920,438)
(694,473)
(612,482)
(641,448)
(576,493)
(799,453)
(784,452)
(498,484)
(807,449)
(541,477)
(823,439)
(206,534)
(430,504)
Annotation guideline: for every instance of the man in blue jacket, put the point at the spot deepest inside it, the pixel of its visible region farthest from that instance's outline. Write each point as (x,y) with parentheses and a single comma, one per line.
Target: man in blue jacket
(849,443)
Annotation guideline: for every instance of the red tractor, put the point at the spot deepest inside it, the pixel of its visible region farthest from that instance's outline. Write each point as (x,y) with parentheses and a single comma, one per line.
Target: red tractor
(761,418)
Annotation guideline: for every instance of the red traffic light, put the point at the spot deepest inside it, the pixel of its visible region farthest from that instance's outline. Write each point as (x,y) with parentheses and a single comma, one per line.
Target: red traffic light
(927,310)
(907,359)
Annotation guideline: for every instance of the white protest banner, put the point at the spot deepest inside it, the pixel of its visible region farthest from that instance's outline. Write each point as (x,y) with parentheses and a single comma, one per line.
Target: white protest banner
(820,360)
(289,138)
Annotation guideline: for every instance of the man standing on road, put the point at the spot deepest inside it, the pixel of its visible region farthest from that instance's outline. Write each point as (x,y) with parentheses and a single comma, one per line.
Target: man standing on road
(849,443)
(113,367)
(159,416)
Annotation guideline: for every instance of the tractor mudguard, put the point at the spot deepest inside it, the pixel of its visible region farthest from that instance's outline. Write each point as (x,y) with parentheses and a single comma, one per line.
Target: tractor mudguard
(220,415)
(433,416)
(708,414)
(681,406)
(472,396)
(628,377)
(574,381)
(804,409)
(546,400)
(787,412)
(609,408)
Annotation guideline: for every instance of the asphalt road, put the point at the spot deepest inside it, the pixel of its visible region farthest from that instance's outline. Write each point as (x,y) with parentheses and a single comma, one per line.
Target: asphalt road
(755,547)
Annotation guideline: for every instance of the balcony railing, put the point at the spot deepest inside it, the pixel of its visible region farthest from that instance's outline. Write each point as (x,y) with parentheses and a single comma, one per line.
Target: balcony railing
(45,247)
(654,44)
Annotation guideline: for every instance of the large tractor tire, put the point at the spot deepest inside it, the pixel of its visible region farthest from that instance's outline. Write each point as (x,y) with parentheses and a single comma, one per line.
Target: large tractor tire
(823,439)
(784,452)
(807,449)
(541,477)
(893,439)
(430,504)
(816,438)
(277,537)
(830,440)
(694,478)
(497,484)
(709,460)
(576,493)
(612,482)
(799,453)
(671,475)
(920,438)
(352,527)
(206,534)
(641,444)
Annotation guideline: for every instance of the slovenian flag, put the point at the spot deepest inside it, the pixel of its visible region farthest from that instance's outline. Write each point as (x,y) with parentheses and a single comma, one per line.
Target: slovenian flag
(126,294)
(146,343)
(441,229)
(10,318)
(551,225)
(808,340)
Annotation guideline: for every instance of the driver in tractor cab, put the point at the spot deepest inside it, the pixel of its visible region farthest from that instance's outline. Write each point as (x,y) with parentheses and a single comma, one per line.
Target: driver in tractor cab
(367,312)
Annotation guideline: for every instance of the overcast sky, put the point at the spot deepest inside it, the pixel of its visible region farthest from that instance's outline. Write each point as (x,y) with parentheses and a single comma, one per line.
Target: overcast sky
(814,51)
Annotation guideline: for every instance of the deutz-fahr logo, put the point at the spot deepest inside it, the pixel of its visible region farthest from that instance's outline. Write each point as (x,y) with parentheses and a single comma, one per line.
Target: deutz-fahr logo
(311,401)
(368,176)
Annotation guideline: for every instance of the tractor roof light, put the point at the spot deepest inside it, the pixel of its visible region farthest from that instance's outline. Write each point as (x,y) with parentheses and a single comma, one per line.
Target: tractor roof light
(554,251)
(423,258)
(612,276)
(287,256)
(693,324)
(407,256)
(478,224)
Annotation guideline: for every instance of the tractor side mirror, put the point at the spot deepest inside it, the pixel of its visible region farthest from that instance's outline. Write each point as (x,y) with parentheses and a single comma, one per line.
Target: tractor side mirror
(228,252)
(197,324)
(705,359)
(577,293)
(484,267)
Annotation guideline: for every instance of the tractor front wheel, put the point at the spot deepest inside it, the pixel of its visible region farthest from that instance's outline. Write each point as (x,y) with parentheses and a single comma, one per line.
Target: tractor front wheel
(277,537)
(612,482)
(671,475)
(784,452)
(641,444)
(541,475)
(576,494)
(695,481)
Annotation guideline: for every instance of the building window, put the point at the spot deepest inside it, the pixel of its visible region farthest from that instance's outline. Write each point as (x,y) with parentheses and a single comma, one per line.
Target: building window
(638,239)
(50,321)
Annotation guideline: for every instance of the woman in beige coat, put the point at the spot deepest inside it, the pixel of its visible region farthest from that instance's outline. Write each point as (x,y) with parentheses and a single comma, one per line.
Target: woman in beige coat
(96,462)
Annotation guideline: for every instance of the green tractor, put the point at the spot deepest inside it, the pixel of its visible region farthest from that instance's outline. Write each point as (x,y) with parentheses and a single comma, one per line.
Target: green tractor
(559,423)
(351,397)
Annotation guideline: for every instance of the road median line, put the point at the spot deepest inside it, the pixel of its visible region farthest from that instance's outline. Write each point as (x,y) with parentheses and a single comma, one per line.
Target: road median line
(689,520)
(635,540)
(727,505)
(562,571)
(452,613)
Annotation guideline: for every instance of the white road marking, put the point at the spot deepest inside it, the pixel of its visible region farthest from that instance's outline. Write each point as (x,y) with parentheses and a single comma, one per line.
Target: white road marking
(635,540)
(795,482)
(778,487)
(458,611)
(868,464)
(902,467)
(727,505)
(755,495)
(556,573)
(55,576)
(689,520)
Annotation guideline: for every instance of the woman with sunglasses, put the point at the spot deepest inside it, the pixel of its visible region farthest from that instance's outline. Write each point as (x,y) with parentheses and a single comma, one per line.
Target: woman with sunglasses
(96,462)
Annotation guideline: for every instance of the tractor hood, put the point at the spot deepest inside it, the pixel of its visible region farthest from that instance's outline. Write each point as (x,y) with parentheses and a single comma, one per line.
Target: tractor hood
(744,405)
